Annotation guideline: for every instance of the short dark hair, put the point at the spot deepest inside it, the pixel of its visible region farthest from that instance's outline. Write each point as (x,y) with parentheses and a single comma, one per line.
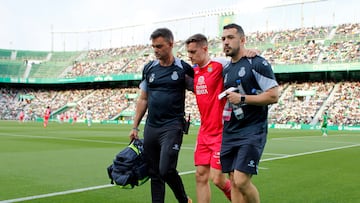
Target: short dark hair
(198,38)
(235,26)
(163,32)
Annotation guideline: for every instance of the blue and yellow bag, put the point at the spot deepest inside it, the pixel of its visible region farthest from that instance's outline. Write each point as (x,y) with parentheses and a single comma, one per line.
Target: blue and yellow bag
(129,168)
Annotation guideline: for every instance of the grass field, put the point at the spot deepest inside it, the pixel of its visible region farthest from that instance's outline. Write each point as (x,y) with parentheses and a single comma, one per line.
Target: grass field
(67,163)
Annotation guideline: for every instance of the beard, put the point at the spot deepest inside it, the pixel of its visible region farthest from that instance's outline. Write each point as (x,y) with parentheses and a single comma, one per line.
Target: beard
(229,51)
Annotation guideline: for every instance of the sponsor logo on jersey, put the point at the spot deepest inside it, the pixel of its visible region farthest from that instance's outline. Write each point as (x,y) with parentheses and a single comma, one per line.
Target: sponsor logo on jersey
(201,87)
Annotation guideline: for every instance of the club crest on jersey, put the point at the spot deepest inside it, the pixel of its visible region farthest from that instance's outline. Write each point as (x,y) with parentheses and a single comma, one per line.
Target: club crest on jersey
(152,77)
(265,63)
(209,69)
(242,72)
(174,76)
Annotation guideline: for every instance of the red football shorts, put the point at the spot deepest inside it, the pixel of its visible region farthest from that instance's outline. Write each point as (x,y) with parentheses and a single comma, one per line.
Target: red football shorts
(207,151)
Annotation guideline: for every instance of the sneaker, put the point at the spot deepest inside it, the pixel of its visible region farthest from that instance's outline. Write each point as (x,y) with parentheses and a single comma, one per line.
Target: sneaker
(189,200)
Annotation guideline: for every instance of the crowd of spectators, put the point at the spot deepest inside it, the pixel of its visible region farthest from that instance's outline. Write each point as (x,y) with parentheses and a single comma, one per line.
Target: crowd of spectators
(104,103)
(315,45)
(342,51)
(129,59)
(297,46)
(344,108)
(298,103)
(293,54)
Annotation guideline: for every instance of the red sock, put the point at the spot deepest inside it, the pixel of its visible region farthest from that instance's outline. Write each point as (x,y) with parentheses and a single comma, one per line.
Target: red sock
(227,190)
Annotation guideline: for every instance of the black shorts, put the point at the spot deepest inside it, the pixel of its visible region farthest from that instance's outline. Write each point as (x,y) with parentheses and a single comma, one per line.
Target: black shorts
(242,152)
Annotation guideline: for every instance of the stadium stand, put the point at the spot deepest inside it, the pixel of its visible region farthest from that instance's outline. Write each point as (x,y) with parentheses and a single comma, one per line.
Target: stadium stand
(5,54)
(48,69)
(31,55)
(303,97)
(9,68)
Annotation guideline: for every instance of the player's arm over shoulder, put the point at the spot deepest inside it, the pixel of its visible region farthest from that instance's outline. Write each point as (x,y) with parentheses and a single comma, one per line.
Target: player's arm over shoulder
(188,69)
(222,60)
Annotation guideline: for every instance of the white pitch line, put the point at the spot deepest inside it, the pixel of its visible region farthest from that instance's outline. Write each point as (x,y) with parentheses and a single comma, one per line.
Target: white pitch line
(69,191)
(182,173)
(312,152)
(314,141)
(63,138)
(56,194)
(314,136)
(274,154)
(74,139)
(186,172)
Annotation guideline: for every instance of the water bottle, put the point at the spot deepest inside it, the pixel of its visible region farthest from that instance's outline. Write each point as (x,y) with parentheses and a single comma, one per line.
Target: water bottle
(237,109)
(227,111)
(240,87)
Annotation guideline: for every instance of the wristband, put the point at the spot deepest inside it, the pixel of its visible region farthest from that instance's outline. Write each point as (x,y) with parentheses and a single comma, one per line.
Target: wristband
(137,129)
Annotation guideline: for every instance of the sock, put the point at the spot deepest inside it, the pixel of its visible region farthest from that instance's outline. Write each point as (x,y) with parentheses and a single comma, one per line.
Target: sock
(227,189)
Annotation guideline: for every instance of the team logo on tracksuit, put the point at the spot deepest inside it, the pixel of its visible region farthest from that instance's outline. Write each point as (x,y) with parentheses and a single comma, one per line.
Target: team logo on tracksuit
(176,147)
(242,72)
(174,76)
(152,77)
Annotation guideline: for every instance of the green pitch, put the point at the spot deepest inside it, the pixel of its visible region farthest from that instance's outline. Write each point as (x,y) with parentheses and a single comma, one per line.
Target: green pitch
(67,163)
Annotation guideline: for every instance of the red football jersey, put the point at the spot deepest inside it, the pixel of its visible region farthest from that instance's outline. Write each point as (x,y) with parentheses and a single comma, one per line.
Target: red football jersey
(208,84)
(47,113)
